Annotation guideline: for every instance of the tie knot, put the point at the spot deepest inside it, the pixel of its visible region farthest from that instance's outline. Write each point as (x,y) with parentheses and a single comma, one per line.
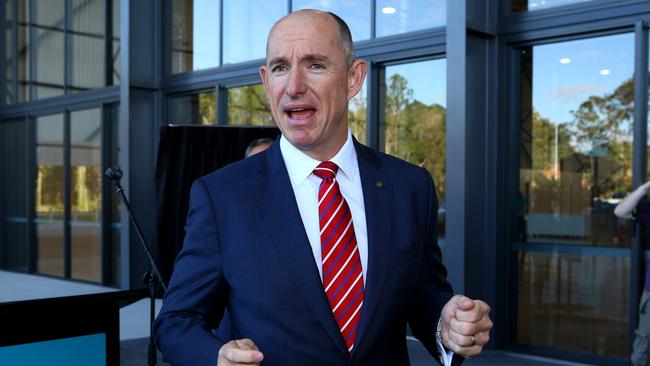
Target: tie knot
(326,170)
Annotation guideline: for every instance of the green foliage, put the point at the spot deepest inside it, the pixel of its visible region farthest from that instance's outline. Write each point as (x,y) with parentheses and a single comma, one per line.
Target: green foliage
(415,131)
(247,106)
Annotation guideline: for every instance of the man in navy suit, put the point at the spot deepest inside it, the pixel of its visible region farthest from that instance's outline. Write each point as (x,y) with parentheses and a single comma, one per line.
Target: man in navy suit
(321,249)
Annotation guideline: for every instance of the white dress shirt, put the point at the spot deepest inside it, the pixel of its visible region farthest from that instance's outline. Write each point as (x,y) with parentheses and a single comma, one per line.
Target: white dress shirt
(305,186)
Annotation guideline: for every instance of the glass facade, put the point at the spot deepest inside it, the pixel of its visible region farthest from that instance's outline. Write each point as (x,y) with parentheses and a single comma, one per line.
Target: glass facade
(49,202)
(575,165)
(194,109)
(414,120)
(247,106)
(399,16)
(85,194)
(194,35)
(59,47)
(246,23)
(356,13)
(358,114)
(532,5)
(14,239)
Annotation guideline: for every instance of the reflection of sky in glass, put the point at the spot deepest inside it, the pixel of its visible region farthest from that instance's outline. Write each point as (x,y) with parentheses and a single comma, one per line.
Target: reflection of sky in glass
(356,13)
(246,24)
(205,34)
(566,74)
(533,5)
(401,16)
(427,79)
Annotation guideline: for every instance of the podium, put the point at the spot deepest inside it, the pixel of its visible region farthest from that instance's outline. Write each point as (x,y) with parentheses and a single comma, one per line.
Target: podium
(72,330)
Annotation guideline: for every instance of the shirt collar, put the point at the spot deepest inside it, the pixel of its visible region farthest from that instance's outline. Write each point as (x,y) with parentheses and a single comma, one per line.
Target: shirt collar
(300,165)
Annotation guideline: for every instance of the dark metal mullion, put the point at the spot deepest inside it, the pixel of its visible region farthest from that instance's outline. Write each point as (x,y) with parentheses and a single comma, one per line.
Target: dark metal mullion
(376,101)
(14,49)
(108,43)
(3,57)
(67,196)
(31,51)
(67,47)
(107,260)
(513,137)
(222,105)
(373,19)
(32,241)
(220,33)
(639,159)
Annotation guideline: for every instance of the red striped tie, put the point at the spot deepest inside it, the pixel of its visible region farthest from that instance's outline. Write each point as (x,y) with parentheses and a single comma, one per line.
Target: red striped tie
(342,275)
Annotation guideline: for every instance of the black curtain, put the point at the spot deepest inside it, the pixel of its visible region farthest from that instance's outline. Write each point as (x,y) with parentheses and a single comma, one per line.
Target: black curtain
(186,153)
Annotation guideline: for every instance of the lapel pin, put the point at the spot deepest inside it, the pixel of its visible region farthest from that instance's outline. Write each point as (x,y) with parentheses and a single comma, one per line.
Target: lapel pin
(380,184)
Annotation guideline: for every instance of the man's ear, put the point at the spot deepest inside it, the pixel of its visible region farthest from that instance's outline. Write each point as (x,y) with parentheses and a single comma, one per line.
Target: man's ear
(356,76)
(263,76)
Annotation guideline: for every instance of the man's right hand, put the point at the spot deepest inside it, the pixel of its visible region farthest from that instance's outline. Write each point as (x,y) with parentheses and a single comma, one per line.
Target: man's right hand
(239,352)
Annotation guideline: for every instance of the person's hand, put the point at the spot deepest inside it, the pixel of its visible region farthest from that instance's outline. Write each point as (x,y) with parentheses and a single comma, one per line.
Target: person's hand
(239,352)
(465,325)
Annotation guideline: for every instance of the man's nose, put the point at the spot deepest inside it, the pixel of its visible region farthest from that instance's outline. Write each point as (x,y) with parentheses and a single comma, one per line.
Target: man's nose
(296,83)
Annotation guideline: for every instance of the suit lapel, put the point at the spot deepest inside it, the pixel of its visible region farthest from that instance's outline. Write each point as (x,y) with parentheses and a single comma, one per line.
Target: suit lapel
(279,208)
(376,196)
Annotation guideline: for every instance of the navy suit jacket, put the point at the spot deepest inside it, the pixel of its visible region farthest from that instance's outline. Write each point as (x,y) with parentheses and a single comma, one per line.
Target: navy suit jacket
(246,251)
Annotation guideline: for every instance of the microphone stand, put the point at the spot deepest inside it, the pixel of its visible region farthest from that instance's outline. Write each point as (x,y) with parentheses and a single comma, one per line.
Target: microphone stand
(150,277)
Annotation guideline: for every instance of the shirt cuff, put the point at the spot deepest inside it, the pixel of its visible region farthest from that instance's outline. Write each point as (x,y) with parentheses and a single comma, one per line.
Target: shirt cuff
(445,356)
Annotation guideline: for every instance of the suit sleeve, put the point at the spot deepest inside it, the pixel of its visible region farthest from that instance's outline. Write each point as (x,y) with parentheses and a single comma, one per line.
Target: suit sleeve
(433,290)
(195,300)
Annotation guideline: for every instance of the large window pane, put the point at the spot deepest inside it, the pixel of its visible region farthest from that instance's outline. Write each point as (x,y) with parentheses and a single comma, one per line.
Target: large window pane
(85,195)
(49,57)
(195,35)
(532,5)
(193,109)
(415,118)
(47,48)
(49,196)
(115,52)
(402,16)
(14,209)
(246,24)
(356,13)
(574,301)
(357,114)
(247,106)
(575,164)
(87,42)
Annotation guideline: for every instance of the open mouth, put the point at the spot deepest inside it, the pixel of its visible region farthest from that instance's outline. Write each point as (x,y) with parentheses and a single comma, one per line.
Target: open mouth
(300,113)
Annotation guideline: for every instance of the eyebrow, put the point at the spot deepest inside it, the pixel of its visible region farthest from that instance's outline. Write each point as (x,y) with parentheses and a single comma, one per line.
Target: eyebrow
(312,57)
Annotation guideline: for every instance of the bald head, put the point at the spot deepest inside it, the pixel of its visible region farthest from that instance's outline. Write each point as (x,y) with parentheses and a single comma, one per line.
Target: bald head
(344,35)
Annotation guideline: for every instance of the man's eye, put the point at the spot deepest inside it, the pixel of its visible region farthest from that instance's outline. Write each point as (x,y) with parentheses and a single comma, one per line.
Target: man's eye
(278,68)
(317,66)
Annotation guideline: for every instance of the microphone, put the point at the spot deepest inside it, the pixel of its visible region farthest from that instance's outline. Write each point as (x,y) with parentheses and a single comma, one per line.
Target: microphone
(113,173)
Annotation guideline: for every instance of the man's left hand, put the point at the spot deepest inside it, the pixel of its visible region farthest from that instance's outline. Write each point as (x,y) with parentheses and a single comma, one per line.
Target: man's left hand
(465,325)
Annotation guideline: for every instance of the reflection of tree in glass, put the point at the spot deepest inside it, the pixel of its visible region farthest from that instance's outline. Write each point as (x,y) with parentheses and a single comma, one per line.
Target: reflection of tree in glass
(207,108)
(601,125)
(49,189)
(247,106)
(86,192)
(357,117)
(415,131)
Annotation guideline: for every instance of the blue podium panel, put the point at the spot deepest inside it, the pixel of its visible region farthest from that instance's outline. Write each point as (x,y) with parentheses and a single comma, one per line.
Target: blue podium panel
(74,351)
